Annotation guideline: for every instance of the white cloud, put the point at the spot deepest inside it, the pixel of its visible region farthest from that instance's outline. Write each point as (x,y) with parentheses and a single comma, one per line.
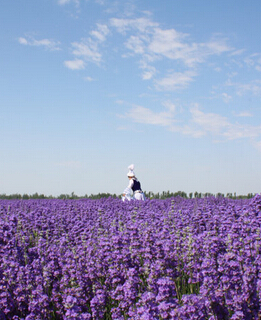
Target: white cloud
(48,44)
(175,81)
(199,123)
(226,97)
(190,131)
(77,2)
(135,44)
(145,38)
(172,45)
(238,131)
(120,102)
(23,41)
(232,75)
(101,32)
(217,46)
(144,115)
(89,79)
(147,75)
(218,125)
(143,25)
(244,114)
(208,122)
(75,64)
(169,106)
(167,42)
(148,70)
(237,52)
(88,49)
(254,61)
(101,2)
(63,2)
(249,62)
(253,87)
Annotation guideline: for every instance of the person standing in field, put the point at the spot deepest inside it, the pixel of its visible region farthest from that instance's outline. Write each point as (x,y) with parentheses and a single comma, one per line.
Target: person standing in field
(133,187)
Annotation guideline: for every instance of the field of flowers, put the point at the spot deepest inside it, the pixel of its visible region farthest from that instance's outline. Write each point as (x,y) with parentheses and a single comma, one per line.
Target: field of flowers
(105,259)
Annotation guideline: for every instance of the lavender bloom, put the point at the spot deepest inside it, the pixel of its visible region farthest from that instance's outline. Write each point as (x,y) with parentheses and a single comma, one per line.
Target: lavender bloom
(107,259)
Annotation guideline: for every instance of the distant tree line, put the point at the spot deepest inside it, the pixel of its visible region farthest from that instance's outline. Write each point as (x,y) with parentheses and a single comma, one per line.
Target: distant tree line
(168,194)
(149,195)
(165,194)
(61,196)
(91,196)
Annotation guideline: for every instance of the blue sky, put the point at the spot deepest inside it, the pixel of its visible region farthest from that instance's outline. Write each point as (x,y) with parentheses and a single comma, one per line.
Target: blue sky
(89,87)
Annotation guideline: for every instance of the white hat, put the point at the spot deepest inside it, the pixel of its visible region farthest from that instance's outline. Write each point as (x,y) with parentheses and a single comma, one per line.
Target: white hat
(131,172)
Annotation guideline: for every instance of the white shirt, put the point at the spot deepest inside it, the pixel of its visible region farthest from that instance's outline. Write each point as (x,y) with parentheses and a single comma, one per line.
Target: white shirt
(131,183)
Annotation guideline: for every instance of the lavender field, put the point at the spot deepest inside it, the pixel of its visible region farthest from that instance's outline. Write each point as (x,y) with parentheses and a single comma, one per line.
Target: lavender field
(105,259)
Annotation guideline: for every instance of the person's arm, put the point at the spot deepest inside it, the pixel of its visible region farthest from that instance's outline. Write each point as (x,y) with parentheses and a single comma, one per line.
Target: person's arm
(128,189)
(127,192)
(131,183)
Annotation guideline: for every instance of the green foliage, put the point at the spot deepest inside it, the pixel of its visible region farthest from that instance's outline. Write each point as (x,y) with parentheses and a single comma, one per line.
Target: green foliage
(165,194)
(149,195)
(61,196)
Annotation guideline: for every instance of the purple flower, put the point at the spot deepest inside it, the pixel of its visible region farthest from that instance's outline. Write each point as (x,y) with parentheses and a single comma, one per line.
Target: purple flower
(159,259)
